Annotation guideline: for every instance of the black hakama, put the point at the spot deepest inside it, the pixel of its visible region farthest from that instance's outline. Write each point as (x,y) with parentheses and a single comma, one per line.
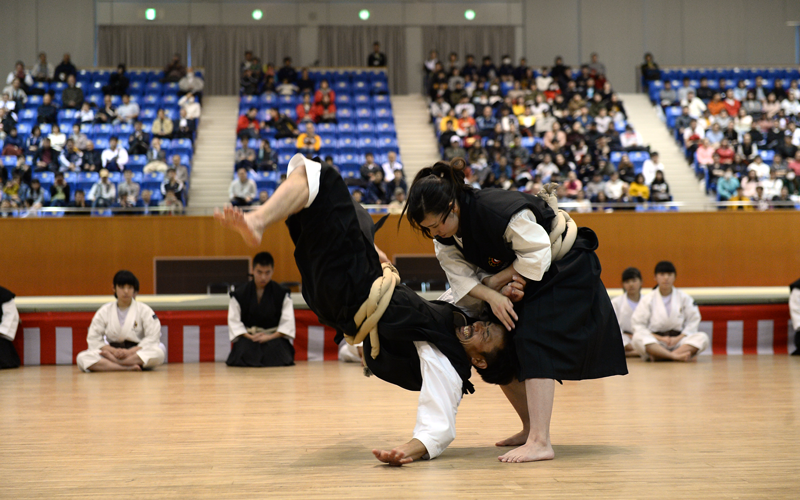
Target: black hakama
(276,352)
(8,354)
(335,253)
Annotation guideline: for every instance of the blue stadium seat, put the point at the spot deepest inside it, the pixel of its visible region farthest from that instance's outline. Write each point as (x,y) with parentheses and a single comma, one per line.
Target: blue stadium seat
(9,161)
(344,112)
(767,154)
(283,158)
(383,112)
(170,89)
(28,114)
(84,180)
(328,141)
(638,158)
(136,162)
(379,100)
(148,114)
(347,141)
(248,100)
(268,99)
(169,100)
(45,128)
(24,129)
(384,126)
(104,128)
(365,127)
(34,101)
(346,127)
(326,128)
(154,87)
(287,143)
(367,142)
(100,142)
(380,87)
(343,98)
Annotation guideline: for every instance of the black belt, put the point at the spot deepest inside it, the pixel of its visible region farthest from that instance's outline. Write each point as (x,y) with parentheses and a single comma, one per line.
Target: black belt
(123,345)
(670,333)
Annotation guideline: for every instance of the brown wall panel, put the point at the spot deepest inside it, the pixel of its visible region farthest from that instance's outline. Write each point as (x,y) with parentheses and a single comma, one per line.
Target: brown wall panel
(79,256)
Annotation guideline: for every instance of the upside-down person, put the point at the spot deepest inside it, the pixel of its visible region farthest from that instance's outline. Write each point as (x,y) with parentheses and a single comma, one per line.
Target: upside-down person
(565,325)
(125,334)
(407,340)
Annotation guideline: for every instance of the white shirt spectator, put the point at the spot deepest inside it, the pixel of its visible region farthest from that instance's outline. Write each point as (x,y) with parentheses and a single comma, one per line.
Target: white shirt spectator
(684,91)
(761,169)
(543,82)
(191,106)
(603,123)
(772,187)
(191,83)
(614,189)
(104,190)
(243,190)
(696,107)
(649,169)
(128,112)
(389,168)
(791,105)
(630,139)
(468,106)
(439,109)
(119,153)
(28,78)
(546,170)
(57,141)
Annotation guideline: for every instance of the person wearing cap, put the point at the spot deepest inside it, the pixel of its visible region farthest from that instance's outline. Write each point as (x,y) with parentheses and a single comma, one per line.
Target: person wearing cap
(103,193)
(794,310)
(125,335)
(665,321)
(625,305)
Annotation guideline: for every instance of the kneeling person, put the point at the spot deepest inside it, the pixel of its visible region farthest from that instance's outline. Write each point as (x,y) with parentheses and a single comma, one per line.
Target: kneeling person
(261,320)
(665,321)
(124,334)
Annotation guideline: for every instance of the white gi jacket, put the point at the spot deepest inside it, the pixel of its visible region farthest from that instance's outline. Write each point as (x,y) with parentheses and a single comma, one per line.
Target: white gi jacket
(794,309)
(236,328)
(624,312)
(8,327)
(651,316)
(141,326)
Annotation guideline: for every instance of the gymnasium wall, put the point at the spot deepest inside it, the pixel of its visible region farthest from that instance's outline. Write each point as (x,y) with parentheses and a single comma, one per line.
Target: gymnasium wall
(79,256)
(690,32)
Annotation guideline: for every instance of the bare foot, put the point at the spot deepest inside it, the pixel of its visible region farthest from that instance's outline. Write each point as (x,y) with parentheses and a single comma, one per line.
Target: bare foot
(394,457)
(134,368)
(682,356)
(242,223)
(529,452)
(517,439)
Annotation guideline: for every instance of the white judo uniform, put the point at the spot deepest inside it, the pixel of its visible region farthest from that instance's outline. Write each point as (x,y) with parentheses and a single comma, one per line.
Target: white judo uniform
(676,312)
(624,309)
(10,320)
(794,308)
(141,326)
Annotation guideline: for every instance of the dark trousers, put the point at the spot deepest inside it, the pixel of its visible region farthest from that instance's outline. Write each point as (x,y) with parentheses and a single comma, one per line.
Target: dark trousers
(245,352)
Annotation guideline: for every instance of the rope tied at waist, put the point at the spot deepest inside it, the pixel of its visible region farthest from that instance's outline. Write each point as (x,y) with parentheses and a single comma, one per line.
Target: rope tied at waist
(564,230)
(371,311)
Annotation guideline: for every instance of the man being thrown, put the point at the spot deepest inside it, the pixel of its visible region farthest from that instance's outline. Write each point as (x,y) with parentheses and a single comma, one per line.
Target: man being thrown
(665,321)
(414,345)
(261,320)
(125,335)
(625,305)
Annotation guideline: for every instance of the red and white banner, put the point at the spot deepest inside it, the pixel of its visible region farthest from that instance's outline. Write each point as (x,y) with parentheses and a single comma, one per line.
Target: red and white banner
(199,336)
(190,337)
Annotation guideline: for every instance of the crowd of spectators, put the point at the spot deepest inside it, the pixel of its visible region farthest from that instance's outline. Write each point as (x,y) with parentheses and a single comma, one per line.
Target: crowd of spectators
(741,135)
(47,124)
(519,127)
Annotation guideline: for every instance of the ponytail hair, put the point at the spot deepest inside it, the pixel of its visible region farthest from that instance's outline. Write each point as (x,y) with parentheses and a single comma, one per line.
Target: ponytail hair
(434,191)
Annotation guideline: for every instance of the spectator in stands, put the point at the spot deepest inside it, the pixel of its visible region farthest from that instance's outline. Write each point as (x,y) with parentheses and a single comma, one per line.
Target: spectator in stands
(57,138)
(174,71)
(324,90)
(727,185)
(172,203)
(794,164)
(695,104)
(631,140)
(245,157)
(146,202)
(377,192)
(786,149)
(249,82)
(306,111)
(752,106)
(749,184)
(772,106)
(247,126)
(156,157)
(71,158)
(243,190)
(761,202)
(683,91)
(650,167)
(759,167)
(649,70)
(16,93)
(638,190)
(72,97)
(139,140)
(725,152)
(667,95)
(715,135)
(377,59)
(573,185)
(283,125)
(183,127)
(615,190)
(791,105)
(189,103)
(19,72)
(43,71)
(128,111)
(107,113)
(659,189)
(181,170)
(595,186)
(305,83)
(325,110)
(287,72)
(92,159)
(397,182)
(128,191)
(47,112)
(79,202)
(114,157)
(705,153)
(369,167)
(86,114)
(46,159)
(7,103)
(308,143)
(287,88)
(267,158)
(14,192)
(118,82)
(103,192)
(440,108)
(171,184)
(731,104)
(191,83)
(398,201)
(329,162)
(65,69)
(13,144)
(59,191)
(783,201)
(747,149)
(391,166)
(263,197)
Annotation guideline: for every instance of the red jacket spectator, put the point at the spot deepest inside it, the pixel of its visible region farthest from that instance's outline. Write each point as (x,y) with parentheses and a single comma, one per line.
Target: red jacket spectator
(732,106)
(322,91)
(325,113)
(312,112)
(246,120)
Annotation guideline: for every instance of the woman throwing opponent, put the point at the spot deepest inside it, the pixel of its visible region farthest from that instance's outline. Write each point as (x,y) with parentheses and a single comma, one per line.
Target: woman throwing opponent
(564,328)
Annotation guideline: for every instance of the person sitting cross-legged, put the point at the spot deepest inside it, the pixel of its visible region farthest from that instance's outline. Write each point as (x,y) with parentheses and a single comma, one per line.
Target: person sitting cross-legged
(261,320)
(625,305)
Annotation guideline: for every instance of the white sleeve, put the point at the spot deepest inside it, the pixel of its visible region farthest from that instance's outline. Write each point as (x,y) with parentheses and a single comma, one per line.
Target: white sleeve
(235,325)
(123,158)
(95,338)
(8,328)
(531,243)
(640,320)
(691,315)
(438,400)
(151,326)
(461,275)
(286,324)
(794,308)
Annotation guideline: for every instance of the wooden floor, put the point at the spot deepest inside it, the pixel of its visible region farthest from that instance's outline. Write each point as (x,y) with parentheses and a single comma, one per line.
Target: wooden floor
(727,427)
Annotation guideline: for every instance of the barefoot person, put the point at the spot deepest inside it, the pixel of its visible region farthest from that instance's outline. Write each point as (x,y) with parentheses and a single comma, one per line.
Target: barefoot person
(565,327)
(417,345)
(124,334)
(665,321)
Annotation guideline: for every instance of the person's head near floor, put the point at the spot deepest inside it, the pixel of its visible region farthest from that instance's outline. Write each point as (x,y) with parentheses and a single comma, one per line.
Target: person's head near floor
(263,267)
(665,276)
(632,282)
(126,286)
(489,346)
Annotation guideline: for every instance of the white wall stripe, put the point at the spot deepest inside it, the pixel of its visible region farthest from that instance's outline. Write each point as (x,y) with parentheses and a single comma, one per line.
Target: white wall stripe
(707,327)
(316,343)
(735,337)
(791,336)
(191,344)
(63,345)
(766,334)
(33,346)
(165,341)
(222,343)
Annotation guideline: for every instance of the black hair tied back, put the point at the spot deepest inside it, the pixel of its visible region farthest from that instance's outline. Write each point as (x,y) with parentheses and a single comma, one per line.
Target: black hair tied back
(434,191)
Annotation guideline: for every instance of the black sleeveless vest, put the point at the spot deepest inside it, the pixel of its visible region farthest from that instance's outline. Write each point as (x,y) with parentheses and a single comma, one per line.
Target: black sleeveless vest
(267,313)
(485,215)
(794,285)
(5,296)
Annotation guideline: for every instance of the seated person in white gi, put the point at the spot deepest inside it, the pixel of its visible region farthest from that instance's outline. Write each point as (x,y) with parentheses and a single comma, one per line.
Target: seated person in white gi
(124,334)
(261,319)
(625,304)
(794,310)
(9,320)
(665,321)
